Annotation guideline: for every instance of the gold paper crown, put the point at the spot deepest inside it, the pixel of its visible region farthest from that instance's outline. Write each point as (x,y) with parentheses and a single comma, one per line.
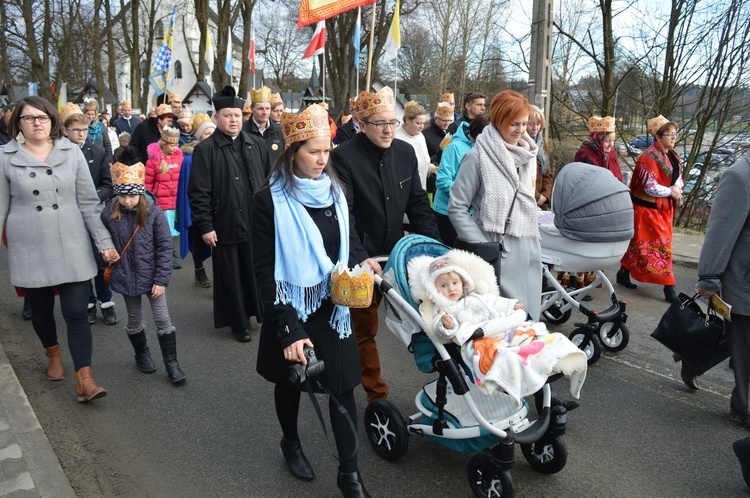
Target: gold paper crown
(352,288)
(126,103)
(163,110)
(186,115)
(310,123)
(276,98)
(352,102)
(90,105)
(598,124)
(152,112)
(444,110)
(199,119)
(247,108)
(123,174)
(262,94)
(447,97)
(175,97)
(358,100)
(373,103)
(71,109)
(655,124)
(170,135)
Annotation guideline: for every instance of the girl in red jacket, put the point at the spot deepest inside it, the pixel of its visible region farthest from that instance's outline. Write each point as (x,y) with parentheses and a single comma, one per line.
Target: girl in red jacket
(163,174)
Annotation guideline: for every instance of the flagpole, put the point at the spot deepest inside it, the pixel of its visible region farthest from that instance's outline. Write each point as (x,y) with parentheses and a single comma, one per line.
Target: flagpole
(324,75)
(369,49)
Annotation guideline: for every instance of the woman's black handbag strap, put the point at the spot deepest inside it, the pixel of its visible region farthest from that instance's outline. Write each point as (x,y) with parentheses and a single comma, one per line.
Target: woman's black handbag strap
(340,408)
(507,220)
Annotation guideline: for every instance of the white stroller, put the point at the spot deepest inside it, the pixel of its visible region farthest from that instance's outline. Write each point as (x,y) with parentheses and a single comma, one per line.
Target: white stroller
(452,409)
(592,227)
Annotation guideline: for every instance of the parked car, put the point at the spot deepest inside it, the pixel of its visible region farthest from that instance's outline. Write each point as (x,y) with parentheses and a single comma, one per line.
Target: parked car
(741,139)
(642,141)
(624,149)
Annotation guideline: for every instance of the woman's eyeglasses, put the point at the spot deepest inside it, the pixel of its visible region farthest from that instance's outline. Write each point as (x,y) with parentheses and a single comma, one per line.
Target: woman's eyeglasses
(42,118)
(670,135)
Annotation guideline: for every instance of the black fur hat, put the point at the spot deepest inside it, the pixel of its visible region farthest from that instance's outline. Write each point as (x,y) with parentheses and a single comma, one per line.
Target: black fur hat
(227,98)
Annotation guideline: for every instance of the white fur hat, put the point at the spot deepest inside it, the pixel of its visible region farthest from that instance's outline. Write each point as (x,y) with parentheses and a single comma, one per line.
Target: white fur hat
(441,266)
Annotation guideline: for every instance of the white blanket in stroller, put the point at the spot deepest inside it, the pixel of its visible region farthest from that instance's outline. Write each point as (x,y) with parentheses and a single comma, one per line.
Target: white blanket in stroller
(519,364)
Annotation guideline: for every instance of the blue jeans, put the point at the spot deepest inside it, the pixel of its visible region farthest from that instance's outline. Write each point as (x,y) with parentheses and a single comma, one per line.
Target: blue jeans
(103,289)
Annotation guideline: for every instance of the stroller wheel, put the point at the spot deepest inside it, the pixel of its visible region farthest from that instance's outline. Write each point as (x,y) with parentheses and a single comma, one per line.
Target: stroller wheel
(386,430)
(612,337)
(588,343)
(486,479)
(555,316)
(548,455)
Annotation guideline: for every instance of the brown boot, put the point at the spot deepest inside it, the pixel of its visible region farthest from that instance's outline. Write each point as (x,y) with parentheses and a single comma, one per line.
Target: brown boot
(55,370)
(86,388)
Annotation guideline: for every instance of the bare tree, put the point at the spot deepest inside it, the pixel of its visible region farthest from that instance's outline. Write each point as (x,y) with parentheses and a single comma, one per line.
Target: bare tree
(280,42)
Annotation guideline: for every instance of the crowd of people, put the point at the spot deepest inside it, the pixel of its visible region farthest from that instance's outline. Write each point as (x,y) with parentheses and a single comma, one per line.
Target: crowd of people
(84,220)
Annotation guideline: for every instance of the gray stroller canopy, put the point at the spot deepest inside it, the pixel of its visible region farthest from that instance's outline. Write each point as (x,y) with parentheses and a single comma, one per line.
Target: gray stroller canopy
(591,205)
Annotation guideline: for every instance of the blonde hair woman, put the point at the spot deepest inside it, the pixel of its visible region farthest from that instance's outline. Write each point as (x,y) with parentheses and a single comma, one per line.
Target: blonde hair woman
(410,131)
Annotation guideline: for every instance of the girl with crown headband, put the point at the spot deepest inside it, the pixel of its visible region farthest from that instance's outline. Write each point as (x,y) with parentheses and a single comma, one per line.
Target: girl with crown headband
(300,231)
(143,238)
(163,176)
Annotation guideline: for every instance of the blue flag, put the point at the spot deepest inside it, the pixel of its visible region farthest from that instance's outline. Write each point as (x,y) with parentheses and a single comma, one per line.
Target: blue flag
(163,59)
(357,37)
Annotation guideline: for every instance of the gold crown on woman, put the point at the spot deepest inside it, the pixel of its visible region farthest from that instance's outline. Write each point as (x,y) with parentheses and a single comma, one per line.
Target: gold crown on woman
(199,119)
(604,124)
(373,103)
(262,94)
(276,98)
(170,135)
(90,105)
(310,123)
(656,124)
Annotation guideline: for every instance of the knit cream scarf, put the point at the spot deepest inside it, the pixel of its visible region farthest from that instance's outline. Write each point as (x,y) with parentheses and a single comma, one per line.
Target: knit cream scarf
(505,168)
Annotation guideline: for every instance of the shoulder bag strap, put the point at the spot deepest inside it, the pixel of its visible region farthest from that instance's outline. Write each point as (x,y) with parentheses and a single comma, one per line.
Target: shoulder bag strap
(127,244)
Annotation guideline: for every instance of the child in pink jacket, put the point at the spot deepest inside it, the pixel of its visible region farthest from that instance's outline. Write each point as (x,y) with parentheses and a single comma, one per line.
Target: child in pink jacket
(163,174)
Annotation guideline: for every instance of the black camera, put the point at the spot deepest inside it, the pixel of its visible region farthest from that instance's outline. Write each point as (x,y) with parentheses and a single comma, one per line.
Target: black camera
(299,373)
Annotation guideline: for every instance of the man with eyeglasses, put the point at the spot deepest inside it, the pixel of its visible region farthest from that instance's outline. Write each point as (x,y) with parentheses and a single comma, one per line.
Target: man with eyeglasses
(474,105)
(76,128)
(381,182)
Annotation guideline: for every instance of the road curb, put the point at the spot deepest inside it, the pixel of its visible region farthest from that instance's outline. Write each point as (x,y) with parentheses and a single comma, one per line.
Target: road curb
(27,461)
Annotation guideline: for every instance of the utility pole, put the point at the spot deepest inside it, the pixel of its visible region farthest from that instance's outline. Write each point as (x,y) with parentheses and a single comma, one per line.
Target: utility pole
(540,72)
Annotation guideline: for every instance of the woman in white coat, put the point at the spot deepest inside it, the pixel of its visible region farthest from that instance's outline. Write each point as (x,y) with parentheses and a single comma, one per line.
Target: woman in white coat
(48,206)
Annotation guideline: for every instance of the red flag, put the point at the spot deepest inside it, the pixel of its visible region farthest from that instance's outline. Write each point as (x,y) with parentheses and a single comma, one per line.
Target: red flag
(311,11)
(318,42)
(251,53)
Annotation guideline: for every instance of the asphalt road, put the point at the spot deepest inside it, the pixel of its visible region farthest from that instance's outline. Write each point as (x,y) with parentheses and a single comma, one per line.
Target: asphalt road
(638,431)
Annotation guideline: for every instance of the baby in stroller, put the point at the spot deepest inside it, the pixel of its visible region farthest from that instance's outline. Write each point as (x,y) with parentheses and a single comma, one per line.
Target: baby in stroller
(502,348)
(464,314)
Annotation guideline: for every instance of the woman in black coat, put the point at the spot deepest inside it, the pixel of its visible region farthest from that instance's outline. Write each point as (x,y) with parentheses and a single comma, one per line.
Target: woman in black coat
(302,210)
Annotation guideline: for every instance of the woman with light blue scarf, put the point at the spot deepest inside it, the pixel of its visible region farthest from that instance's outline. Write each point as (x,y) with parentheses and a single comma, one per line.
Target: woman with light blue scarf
(300,232)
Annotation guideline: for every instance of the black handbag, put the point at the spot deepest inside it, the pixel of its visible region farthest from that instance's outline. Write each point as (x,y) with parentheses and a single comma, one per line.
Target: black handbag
(698,337)
(488,251)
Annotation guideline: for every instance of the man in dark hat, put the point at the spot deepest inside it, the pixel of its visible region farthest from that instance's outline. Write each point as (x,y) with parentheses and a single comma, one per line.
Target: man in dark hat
(227,168)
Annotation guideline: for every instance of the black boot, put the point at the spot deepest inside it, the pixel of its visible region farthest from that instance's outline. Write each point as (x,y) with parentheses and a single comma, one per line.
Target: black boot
(201,279)
(670,294)
(296,460)
(351,485)
(169,353)
(142,355)
(623,278)
(26,313)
